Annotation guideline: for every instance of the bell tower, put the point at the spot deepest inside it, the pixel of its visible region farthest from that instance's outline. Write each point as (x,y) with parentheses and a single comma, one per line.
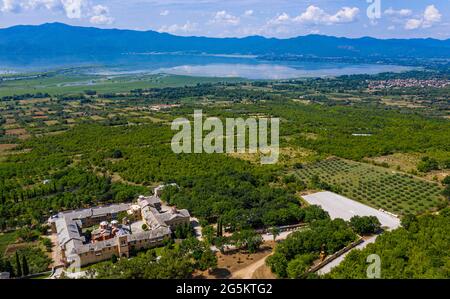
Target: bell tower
(122,246)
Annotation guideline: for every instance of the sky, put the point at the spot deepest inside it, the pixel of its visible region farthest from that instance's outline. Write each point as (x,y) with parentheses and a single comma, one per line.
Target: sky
(239,18)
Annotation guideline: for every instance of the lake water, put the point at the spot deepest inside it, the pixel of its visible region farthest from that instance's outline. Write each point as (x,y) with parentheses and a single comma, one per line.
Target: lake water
(196,65)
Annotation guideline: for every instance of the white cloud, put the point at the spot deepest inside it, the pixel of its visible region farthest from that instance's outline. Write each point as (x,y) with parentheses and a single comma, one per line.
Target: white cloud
(404,12)
(175,28)
(17,6)
(164,13)
(345,15)
(248,13)
(101,20)
(430,16)
(313,14)
(412,24)
(224,18)
(73,9)
(280,19)
(317,16)
(100,15)
(11,6)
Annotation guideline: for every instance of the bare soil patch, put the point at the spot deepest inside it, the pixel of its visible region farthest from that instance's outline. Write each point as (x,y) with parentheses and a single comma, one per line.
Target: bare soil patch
(232,262)
(405,162)
(40,117)
(51,122)
(7,147)
(263,272)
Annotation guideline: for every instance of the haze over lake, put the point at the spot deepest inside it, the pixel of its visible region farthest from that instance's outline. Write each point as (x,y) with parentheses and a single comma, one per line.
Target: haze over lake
(204,65)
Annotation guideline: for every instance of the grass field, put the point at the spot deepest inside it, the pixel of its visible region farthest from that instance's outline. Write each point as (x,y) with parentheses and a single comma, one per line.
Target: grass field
(5,240)
(378,187)
(63,83)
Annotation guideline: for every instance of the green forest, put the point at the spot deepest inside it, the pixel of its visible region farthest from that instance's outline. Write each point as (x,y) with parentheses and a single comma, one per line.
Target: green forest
(417,250)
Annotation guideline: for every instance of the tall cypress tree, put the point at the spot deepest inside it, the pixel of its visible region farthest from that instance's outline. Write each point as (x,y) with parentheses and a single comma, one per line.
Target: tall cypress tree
(25,268)
(8,268)
(219,228)
(18,266)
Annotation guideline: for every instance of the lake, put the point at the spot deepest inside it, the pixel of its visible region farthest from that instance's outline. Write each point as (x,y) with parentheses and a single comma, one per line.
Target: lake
(204,65)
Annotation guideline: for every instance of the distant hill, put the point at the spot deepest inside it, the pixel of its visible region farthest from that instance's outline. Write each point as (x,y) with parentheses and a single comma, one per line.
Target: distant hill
(56,39)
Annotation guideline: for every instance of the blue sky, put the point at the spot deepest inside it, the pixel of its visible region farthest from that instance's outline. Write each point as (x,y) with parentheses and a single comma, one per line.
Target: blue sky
(237,18)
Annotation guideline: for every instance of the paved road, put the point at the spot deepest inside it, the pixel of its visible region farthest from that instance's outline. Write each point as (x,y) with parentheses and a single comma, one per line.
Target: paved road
(197,228)
(327,268)
(283,235)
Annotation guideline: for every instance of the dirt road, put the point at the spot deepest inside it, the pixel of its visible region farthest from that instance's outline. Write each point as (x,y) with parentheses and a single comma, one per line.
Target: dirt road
(247,272)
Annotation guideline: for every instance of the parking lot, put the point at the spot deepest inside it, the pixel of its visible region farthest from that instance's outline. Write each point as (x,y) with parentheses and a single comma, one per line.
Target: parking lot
(341,207)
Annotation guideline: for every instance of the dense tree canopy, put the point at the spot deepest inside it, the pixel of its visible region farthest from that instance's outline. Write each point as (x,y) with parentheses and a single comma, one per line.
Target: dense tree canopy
(365,225)
(297,252)
(420,249)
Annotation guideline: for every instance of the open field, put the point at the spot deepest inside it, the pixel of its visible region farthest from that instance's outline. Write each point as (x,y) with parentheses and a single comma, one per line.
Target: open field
(401,161)
(77,82)
(378,187)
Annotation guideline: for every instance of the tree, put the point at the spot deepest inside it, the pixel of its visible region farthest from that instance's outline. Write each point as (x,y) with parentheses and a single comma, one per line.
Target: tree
(183,231)
(114,259)
(9,268)
(408,220)
(365,225)
(427,164)
(208,233)
(297,267)
(18,266)
(316,183)
(248,239)
(27,235)
(193,247)
(275,231)
(446,192)
(418,252)
(47,243)
(25,268)
(333,234)
(315,212)
(208,260)
(5,266)
(117,154)
(220,242)
(278,264)
(446,180)
(219,227)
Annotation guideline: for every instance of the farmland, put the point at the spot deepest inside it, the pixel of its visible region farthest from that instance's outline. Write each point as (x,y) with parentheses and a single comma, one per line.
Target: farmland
(375,186)
(65,146)
(77,80)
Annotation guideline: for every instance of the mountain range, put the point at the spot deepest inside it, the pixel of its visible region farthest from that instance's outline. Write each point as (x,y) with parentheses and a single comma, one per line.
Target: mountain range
(57,39)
